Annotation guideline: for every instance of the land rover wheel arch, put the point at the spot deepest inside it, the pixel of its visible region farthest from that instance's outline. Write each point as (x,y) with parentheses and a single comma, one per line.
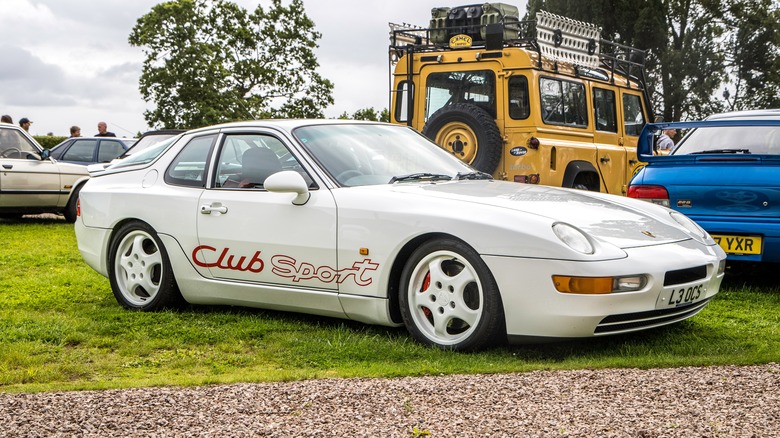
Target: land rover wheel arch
(469,133)
(581,175)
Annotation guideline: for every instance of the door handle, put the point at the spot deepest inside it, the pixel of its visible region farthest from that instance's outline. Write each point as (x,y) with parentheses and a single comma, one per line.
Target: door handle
(632,162)
(216,207)
(604,160)
(8,166)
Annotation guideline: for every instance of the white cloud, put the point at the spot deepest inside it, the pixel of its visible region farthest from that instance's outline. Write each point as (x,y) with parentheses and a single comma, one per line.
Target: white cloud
(69,62)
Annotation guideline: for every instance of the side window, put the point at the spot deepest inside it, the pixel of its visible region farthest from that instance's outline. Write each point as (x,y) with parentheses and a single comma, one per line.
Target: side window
(519,107)
(246,160)
(188,168)
(404,93)
(109,149)
(632,114)
(563,102)
(80,150)
(472,87)
(604,110)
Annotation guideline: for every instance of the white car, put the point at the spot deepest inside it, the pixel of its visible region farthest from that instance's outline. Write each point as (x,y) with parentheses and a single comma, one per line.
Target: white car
(31,182)
(373,222)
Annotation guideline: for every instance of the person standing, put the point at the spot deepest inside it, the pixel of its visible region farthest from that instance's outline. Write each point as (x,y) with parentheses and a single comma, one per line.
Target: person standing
(25,123)
(103,130)
(665,142)
(6,119)
(75,131)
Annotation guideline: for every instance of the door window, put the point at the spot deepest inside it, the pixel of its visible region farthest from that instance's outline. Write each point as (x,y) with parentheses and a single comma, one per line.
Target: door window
(604,110)
(633,117)
(246,160)
(563,102)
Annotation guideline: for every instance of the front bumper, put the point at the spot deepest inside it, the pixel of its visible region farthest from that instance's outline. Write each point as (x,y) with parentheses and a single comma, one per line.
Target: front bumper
(534,310)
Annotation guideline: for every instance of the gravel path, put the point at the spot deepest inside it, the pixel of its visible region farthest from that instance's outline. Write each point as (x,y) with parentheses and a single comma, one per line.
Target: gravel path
(680,402)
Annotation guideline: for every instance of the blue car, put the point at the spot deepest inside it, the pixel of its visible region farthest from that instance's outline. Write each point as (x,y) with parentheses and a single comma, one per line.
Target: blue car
(725,175)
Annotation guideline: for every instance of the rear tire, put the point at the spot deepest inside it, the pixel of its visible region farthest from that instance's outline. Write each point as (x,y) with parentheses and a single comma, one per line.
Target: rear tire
(449,299)
(140,271)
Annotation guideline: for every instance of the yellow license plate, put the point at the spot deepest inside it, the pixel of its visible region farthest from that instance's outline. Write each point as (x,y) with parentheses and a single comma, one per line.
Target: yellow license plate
(739,244)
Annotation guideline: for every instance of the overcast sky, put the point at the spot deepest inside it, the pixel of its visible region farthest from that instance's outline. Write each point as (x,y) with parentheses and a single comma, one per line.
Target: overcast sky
(68,62)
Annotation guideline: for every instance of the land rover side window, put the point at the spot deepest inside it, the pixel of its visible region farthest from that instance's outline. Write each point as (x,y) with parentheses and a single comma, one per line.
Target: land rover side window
(403,94)
(604,110)
(471,87)
(519,107)
(563,102)
(188,168)
(632,114)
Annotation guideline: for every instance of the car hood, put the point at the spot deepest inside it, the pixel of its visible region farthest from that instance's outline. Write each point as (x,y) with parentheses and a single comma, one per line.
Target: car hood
(620,221)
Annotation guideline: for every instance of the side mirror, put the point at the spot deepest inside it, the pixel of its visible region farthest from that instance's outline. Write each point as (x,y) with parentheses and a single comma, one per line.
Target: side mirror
(288,181)
(45,154)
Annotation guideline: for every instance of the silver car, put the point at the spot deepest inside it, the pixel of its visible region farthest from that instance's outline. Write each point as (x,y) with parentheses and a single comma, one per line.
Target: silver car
(31,182)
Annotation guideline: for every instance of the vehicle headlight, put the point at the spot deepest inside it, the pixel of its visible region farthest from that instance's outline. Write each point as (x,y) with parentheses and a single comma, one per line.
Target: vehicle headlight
(691,226)
(573,237)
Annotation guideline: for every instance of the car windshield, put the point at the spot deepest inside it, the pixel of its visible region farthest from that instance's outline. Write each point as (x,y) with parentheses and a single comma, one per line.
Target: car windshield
(731,140)
(366,154)
(148,141)
(146,156)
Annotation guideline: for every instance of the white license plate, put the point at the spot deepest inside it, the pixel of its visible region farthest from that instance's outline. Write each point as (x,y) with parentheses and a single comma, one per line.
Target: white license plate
(682,295)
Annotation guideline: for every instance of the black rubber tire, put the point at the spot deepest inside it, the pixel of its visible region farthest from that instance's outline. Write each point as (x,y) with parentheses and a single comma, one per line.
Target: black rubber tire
(489,144)
(70,208)
(139,270)
(470,317)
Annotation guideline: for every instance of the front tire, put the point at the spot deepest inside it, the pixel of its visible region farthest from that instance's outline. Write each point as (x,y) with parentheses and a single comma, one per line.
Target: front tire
(140,271)
(449,299)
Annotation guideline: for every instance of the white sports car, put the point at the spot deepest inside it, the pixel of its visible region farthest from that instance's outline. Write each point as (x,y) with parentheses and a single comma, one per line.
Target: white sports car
(372,222)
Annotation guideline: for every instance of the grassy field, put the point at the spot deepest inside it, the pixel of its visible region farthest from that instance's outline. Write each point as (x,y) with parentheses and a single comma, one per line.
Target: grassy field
(61,329)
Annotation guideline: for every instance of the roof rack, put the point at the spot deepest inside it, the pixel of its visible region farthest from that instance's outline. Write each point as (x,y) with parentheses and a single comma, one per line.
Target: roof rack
(494,26)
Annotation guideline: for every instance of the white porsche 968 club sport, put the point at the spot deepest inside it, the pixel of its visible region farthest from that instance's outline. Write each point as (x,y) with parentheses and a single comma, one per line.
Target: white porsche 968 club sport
(374,223)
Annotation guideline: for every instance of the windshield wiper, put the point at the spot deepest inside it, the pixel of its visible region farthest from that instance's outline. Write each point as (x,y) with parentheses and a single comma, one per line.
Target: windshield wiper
(473,175)
(722,151)
(420,176)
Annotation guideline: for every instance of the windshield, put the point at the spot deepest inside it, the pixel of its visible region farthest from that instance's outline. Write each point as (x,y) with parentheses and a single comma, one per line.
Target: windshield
(738,140)
(148,141)
(147,155)
(365,154)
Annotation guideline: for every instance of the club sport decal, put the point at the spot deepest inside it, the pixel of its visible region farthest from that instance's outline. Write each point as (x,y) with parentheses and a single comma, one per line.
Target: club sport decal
(286,266)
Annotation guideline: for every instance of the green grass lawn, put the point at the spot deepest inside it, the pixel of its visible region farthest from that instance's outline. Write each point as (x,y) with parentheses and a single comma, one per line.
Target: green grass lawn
(61,329)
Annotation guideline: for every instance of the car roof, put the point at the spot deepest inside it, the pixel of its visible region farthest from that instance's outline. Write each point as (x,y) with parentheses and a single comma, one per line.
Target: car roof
(747,114)
(287,124)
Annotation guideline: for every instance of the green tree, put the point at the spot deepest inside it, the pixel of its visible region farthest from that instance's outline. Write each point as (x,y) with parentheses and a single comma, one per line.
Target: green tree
(212,61)
(368,114)
(696,48)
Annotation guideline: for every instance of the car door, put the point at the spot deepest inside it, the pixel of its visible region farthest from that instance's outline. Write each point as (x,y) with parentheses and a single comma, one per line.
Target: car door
(25,179)
(246,233)
(609,143)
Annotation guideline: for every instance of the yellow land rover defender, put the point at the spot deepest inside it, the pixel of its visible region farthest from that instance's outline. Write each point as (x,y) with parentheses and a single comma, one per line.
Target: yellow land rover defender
(545,101)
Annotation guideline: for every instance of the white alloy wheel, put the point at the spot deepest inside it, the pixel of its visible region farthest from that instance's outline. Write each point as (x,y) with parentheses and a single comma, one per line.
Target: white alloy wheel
(449,299)
(140,273)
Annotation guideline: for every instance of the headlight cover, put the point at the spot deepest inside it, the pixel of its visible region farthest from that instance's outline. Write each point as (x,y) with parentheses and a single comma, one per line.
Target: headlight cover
(692,227)
(573,238)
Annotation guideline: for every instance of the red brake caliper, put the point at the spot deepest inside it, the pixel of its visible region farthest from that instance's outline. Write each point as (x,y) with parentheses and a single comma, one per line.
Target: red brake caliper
(425,285)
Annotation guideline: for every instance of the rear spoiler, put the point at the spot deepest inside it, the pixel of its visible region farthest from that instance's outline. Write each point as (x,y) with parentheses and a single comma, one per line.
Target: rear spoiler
(644,147)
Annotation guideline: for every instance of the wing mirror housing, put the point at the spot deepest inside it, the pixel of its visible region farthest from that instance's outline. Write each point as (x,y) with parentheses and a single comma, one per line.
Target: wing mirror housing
(288,181)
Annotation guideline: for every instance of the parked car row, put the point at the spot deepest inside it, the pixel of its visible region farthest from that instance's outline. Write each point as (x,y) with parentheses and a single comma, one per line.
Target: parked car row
(373,222)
